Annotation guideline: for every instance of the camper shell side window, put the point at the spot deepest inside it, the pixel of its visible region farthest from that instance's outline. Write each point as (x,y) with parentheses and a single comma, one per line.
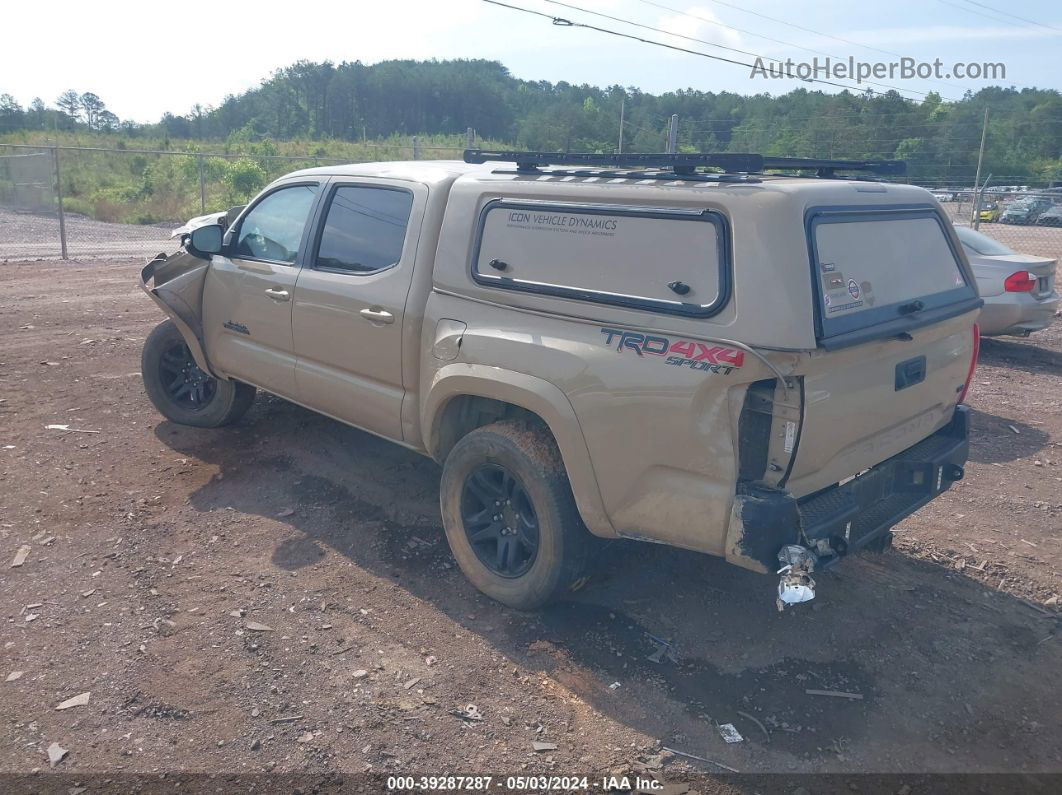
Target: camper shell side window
(669,260)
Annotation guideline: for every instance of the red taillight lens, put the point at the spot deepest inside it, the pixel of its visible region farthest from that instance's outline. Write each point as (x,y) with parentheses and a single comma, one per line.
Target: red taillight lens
(973,362)
(1019,282)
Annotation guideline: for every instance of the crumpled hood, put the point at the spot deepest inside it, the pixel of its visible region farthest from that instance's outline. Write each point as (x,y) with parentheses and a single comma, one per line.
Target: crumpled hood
(198,221)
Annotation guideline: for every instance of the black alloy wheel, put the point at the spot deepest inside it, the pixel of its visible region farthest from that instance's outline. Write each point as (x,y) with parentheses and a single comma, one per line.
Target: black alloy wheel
(185,384)
(499,520)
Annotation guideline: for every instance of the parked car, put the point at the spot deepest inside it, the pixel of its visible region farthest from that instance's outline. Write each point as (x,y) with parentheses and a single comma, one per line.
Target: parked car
(1051,217)
(592,352)
(989,212)
(1018,289)
(1024,211)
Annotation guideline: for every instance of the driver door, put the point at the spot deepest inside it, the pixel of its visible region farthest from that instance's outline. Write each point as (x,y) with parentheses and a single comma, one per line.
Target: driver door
(247,298)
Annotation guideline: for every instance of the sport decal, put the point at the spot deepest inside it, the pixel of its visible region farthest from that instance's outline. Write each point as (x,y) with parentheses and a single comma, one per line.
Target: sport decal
(678,352)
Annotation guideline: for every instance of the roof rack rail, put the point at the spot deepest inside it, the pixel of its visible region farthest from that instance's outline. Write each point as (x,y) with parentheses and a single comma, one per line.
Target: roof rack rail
(826,168)
(677,163)
(685,165)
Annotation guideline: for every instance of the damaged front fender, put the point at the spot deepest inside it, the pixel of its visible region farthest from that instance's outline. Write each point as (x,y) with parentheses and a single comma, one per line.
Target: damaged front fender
(175,283)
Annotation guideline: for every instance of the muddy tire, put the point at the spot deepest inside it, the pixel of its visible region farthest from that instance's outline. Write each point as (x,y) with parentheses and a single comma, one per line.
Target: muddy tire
(510,516)
(181,391)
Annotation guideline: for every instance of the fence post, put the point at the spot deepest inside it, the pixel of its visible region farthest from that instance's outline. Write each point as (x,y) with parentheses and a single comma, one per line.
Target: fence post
(416,148)
(59,202)
(202,185)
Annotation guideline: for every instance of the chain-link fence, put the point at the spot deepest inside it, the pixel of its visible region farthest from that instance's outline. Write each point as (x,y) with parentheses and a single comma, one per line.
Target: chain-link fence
(1028,221)
(80,202)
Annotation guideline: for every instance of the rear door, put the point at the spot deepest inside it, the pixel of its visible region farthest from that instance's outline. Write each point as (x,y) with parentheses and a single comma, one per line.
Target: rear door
(350,299)
(895,315)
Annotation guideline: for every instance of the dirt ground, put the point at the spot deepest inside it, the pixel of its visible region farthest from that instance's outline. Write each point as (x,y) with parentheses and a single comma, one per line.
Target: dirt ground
(156,554)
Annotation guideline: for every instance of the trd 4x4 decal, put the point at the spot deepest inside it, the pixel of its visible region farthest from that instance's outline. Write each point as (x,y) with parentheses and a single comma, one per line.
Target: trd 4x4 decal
(679,352)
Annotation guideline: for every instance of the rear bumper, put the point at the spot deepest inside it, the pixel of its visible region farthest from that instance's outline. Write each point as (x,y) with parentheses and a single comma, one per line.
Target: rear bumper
(1017,313)
(850,515)
(855,513)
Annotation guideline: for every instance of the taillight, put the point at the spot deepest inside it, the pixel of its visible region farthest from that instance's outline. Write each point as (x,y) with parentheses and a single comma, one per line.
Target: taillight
(973,362)
(1019,282)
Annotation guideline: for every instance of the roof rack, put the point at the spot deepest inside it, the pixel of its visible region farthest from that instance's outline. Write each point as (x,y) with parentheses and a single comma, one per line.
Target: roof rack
(681,166)
(826,168)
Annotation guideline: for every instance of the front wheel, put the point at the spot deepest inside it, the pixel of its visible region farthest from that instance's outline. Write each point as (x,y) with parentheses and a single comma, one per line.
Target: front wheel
(181,391)
(510,516)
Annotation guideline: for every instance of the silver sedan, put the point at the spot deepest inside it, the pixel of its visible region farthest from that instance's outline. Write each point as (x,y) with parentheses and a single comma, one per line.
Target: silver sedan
(1018,289)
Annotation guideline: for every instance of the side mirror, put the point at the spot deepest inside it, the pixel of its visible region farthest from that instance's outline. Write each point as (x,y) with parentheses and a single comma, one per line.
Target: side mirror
(206,240)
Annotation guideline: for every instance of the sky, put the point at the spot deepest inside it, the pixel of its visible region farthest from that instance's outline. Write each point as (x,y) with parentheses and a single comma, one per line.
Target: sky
(143,62)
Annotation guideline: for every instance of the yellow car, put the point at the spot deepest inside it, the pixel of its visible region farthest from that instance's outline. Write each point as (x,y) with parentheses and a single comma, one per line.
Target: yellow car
(990,212)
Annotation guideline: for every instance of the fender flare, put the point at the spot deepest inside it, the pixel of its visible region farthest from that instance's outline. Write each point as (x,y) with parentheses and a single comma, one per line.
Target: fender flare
(182,315)
(535,395)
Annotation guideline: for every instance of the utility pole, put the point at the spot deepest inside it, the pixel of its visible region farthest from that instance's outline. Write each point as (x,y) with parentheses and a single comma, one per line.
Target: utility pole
(672,135)
(977,178)
(623,108)
(416,148)
(470,138)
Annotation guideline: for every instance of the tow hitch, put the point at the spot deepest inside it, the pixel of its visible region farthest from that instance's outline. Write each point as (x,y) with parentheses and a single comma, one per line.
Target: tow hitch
(795,584)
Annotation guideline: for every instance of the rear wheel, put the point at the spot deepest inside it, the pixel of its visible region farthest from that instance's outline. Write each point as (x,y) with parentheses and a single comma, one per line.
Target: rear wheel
(510,516)
(181,391)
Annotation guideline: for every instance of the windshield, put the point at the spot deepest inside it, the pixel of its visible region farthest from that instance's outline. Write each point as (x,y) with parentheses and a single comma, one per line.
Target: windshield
(981,244)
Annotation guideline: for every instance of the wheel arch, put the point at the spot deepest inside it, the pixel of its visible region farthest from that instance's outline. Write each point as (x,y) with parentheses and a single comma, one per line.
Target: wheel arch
(464,397)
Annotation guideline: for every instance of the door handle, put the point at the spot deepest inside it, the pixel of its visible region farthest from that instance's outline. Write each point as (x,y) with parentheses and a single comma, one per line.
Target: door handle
(376,315)
(277,294)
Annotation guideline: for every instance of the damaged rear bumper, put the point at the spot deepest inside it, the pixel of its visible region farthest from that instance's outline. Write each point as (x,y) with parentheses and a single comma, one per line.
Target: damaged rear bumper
(850,515)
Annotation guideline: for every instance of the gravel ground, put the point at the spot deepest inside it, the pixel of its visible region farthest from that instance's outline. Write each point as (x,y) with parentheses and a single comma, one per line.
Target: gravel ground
(35,236)
(277,597)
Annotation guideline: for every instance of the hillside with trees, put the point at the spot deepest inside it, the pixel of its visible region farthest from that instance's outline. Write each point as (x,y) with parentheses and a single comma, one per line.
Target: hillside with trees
(352,101)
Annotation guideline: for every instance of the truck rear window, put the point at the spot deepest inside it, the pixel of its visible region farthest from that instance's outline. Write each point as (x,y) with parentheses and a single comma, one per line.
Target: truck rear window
(658,259)
(876,266)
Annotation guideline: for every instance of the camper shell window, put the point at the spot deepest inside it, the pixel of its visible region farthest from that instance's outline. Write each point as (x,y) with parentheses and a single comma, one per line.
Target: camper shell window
(669,260)
(881,271)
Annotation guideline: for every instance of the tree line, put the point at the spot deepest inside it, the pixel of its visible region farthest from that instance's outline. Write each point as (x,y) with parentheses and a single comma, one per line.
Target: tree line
(351,101)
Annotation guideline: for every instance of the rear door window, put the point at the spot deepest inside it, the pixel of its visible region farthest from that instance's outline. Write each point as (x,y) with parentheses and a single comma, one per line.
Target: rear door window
(364,230)
(876,266)
(667,260)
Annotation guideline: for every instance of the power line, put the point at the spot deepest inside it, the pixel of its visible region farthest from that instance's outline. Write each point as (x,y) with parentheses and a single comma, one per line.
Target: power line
(567,23)
(691,15)
(974,11)
(1003,14)
(703,41)
(778,21)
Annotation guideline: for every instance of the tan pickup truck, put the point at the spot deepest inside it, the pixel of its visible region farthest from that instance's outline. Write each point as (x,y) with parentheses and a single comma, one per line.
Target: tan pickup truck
(749,357)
